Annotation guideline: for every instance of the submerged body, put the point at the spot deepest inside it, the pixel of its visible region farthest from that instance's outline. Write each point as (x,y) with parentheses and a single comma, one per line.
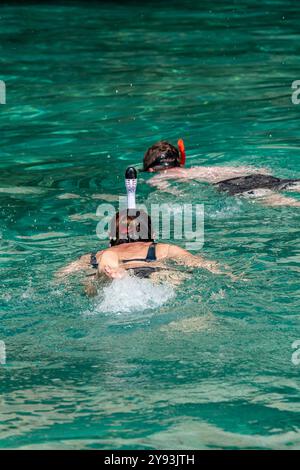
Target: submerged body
(251,183)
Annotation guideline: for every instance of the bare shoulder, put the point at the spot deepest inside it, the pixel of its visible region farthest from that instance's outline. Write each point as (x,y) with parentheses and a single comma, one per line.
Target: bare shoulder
(165,250)
(162,250)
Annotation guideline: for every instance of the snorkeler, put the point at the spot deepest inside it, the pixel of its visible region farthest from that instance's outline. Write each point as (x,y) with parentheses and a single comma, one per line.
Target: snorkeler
(133,251)
(132,247)
(168,161)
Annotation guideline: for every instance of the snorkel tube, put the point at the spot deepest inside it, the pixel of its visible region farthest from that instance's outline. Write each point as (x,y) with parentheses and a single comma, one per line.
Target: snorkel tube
(130,184)
(117,230)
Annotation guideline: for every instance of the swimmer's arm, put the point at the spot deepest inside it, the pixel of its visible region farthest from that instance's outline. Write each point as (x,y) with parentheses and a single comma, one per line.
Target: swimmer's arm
(208,174)
(164,185)
(110,266)
(182,256)
(161,180)
(79,265)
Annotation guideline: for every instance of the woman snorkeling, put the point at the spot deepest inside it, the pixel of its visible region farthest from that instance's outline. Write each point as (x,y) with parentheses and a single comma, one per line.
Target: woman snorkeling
(168,162)
(133,251)
(132,247)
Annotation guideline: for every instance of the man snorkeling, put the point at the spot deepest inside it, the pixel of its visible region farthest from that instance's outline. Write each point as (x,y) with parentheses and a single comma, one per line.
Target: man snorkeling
(168,162)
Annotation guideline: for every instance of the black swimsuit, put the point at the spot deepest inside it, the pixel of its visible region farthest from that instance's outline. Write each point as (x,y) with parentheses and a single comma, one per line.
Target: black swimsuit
(140,271)
(245,184)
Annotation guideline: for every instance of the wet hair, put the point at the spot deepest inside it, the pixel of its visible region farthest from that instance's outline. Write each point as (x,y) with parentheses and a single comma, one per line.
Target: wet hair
(142,230)
(161,155)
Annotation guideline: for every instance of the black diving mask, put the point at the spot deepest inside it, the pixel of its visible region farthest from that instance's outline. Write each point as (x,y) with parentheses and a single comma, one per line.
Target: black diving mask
(163,162)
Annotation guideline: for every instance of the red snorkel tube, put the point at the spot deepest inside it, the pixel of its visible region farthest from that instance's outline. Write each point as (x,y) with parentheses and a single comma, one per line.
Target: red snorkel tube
(181,148)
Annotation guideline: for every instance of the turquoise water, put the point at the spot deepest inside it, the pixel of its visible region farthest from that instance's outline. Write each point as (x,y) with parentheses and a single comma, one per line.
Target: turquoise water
(89,88)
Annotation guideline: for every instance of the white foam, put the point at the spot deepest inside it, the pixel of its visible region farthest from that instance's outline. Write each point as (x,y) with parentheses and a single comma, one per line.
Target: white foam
(230,208)
(132,294)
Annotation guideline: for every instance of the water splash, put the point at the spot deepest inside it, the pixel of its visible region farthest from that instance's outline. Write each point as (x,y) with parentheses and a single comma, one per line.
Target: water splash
(227,209)
(132,294)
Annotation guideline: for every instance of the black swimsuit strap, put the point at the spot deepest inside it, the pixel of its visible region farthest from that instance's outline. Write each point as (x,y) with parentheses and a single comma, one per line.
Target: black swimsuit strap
(94,262)
(151,255)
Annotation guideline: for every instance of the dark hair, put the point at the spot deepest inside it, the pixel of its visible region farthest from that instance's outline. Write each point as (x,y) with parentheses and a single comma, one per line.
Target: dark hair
(162,154)
(143,229)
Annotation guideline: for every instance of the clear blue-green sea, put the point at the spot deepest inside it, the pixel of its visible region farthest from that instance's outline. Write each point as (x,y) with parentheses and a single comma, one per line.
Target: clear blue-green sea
(89,87)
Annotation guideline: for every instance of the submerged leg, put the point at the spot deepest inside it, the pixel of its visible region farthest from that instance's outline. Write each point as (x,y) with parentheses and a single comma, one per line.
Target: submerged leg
(276,199)
(294,188)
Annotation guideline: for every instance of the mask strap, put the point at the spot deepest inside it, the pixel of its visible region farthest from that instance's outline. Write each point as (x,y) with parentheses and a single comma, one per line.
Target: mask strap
(181,148)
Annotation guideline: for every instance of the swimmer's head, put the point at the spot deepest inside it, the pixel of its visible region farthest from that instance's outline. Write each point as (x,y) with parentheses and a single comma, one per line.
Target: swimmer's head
(162,156)
(129,226)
